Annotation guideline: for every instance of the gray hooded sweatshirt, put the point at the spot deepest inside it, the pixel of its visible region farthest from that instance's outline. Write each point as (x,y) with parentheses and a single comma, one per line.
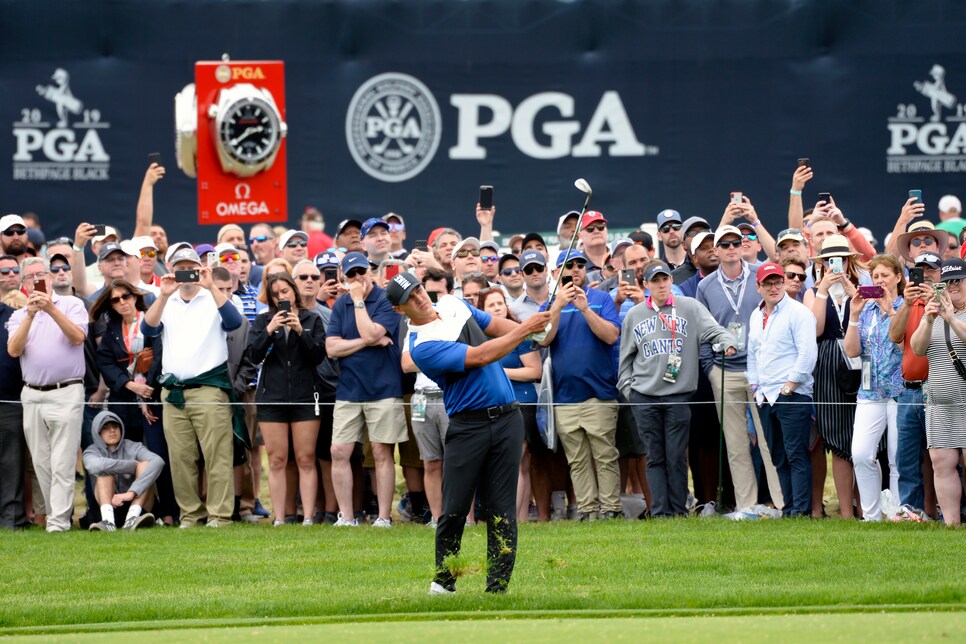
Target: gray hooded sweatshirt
(646,344)
(122,461)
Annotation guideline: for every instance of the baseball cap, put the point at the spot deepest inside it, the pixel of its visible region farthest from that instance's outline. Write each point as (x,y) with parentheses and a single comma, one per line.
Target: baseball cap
(532,257)
(929,259)
(225,248)
(203,249)
(726,230)
(869,237)
(325,259)
(399,288)
(371,223)
(698,239)
(355,259)
(656,269)
(668,215)
(533,237)
(745,227)
(9,221)
(642,238)
(173,248)
(143,241)
(692,222)
(58,256)
(108,231)
(346,223)
(564,217)
(436,232)
(111,247)
(950,203)
(391,215)
(767,270)
(953,269)
(793,234)
(468,241)
(492,245)
(132,249)
(184,255)
(36,237)
(574,254)
(592,217)
(620,242)
(288,234)
(504,259)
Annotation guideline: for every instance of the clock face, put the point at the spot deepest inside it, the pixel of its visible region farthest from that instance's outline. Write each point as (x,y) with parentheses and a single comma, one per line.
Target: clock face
(250,130)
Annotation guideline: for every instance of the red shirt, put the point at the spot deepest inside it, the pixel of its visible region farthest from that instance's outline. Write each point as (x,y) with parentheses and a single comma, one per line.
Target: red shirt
(914,368)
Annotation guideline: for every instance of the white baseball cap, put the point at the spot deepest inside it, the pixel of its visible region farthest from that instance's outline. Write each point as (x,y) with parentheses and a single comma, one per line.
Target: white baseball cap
(950,203)
(698,238)
(7,221)
(726,230)
(143,241)
(108,231)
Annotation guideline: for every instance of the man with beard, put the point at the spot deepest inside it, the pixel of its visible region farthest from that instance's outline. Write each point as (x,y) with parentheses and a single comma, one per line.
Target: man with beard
(669,225)
(13,237)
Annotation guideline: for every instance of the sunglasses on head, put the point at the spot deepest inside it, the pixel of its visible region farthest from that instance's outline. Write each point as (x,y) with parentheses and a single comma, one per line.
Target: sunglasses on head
(314,278)
(149,254)
(226,256)
(595,228)
(466,253)
(750,236)
(356,271)
(296,244)
(923,241)
(666,228)
(734,243)
(530,269)
(10,232)
(60,240)
(7,271)
(117,299)
(795,276)
(507,272)
(62,267)
(259,239)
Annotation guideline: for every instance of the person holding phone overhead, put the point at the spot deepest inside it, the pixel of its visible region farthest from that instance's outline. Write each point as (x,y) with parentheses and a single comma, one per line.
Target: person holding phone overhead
(881,380)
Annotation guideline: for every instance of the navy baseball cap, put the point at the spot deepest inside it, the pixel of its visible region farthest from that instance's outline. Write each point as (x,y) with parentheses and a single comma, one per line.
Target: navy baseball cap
(953,269)
(665,216)
(692,222)
(656,269)
(399,288)
(574,254)
(929,259)
(108,248)
(532,257)
(326,259)
(371,223)
(353,260)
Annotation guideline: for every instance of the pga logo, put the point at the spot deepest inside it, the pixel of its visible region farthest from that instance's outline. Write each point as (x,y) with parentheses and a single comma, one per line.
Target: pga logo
(394,127)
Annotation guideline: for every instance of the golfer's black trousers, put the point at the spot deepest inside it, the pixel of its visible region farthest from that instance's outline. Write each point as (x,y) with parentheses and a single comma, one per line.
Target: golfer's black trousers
(482,457)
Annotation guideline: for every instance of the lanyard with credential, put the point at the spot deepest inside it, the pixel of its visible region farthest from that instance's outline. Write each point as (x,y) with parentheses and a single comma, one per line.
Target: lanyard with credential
(741,291)
(672,323)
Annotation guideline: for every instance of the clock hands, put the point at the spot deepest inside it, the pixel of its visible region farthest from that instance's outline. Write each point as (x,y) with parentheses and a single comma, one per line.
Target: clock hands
(244,135)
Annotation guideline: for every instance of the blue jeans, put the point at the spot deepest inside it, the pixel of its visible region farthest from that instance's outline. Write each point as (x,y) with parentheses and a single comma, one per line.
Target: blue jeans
(786,428)
(911,446)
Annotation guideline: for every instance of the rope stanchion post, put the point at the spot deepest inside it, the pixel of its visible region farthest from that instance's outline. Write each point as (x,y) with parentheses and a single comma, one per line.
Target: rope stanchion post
(718,348)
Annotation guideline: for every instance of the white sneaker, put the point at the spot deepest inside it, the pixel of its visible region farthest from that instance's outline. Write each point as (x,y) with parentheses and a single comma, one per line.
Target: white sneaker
(307,521)
(382,523)
(340,522)
(433,524)
(439,589)
(277,522)
(251,518)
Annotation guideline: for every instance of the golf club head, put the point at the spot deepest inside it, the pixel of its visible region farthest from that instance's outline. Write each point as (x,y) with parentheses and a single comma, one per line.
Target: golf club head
(582,185)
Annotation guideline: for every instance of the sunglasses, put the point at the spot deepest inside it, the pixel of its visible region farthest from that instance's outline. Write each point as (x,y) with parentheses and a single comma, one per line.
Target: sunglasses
(10,232)
(7,271)
(229,256)
(692,231)
(149,254)
(466,253)
(954,282)
(397,228)
(795,276)
(119,298)
(507,272)
(516,251)
(666,228)
(530,269)
(471,298)
(923,241)
(574,264)
(490,259)
(62,267)
(356,271)
(314,278)
(595,228)
(260,239)
(735,243)
(60,240)
(750,236)
(296,244)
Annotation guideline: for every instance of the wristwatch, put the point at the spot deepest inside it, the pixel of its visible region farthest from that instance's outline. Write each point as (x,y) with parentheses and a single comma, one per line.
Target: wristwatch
(786,391)
(361,304)
(845,224)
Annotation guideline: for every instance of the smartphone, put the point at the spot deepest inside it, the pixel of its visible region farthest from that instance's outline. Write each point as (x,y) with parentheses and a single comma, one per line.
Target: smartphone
(871,292)
(392,270)
(422,245)
(802,163)
(211,259)
(100,230)
(835,265)
(629,275)
(331,274)
(736,197)
(154,157)
(186,276)
(285,305)
(433,296)
(40,285)
(916,277)
(566,279)
(486,197)
(825,196)
(917,195)
(938,289)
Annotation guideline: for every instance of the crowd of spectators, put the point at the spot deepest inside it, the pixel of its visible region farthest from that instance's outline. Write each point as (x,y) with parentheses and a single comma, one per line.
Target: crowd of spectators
(158,372)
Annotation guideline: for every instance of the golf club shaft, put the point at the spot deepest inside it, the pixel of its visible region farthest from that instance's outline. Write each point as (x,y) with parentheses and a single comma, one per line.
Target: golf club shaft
(570,248)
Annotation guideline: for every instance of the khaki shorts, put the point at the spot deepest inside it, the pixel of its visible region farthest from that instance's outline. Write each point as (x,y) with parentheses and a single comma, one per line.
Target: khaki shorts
(384,420)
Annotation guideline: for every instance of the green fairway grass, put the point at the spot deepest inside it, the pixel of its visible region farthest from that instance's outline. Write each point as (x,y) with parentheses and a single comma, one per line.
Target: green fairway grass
(892,627)
(670,567)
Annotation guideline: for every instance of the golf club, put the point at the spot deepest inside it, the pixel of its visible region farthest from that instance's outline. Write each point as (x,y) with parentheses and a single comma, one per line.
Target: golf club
(582,185)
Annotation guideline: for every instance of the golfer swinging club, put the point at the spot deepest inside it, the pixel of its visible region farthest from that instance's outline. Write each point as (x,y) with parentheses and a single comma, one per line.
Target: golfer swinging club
(449,343)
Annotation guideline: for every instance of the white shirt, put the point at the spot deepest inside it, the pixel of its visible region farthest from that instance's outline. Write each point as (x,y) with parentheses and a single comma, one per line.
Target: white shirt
(784,351)
(194,341)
